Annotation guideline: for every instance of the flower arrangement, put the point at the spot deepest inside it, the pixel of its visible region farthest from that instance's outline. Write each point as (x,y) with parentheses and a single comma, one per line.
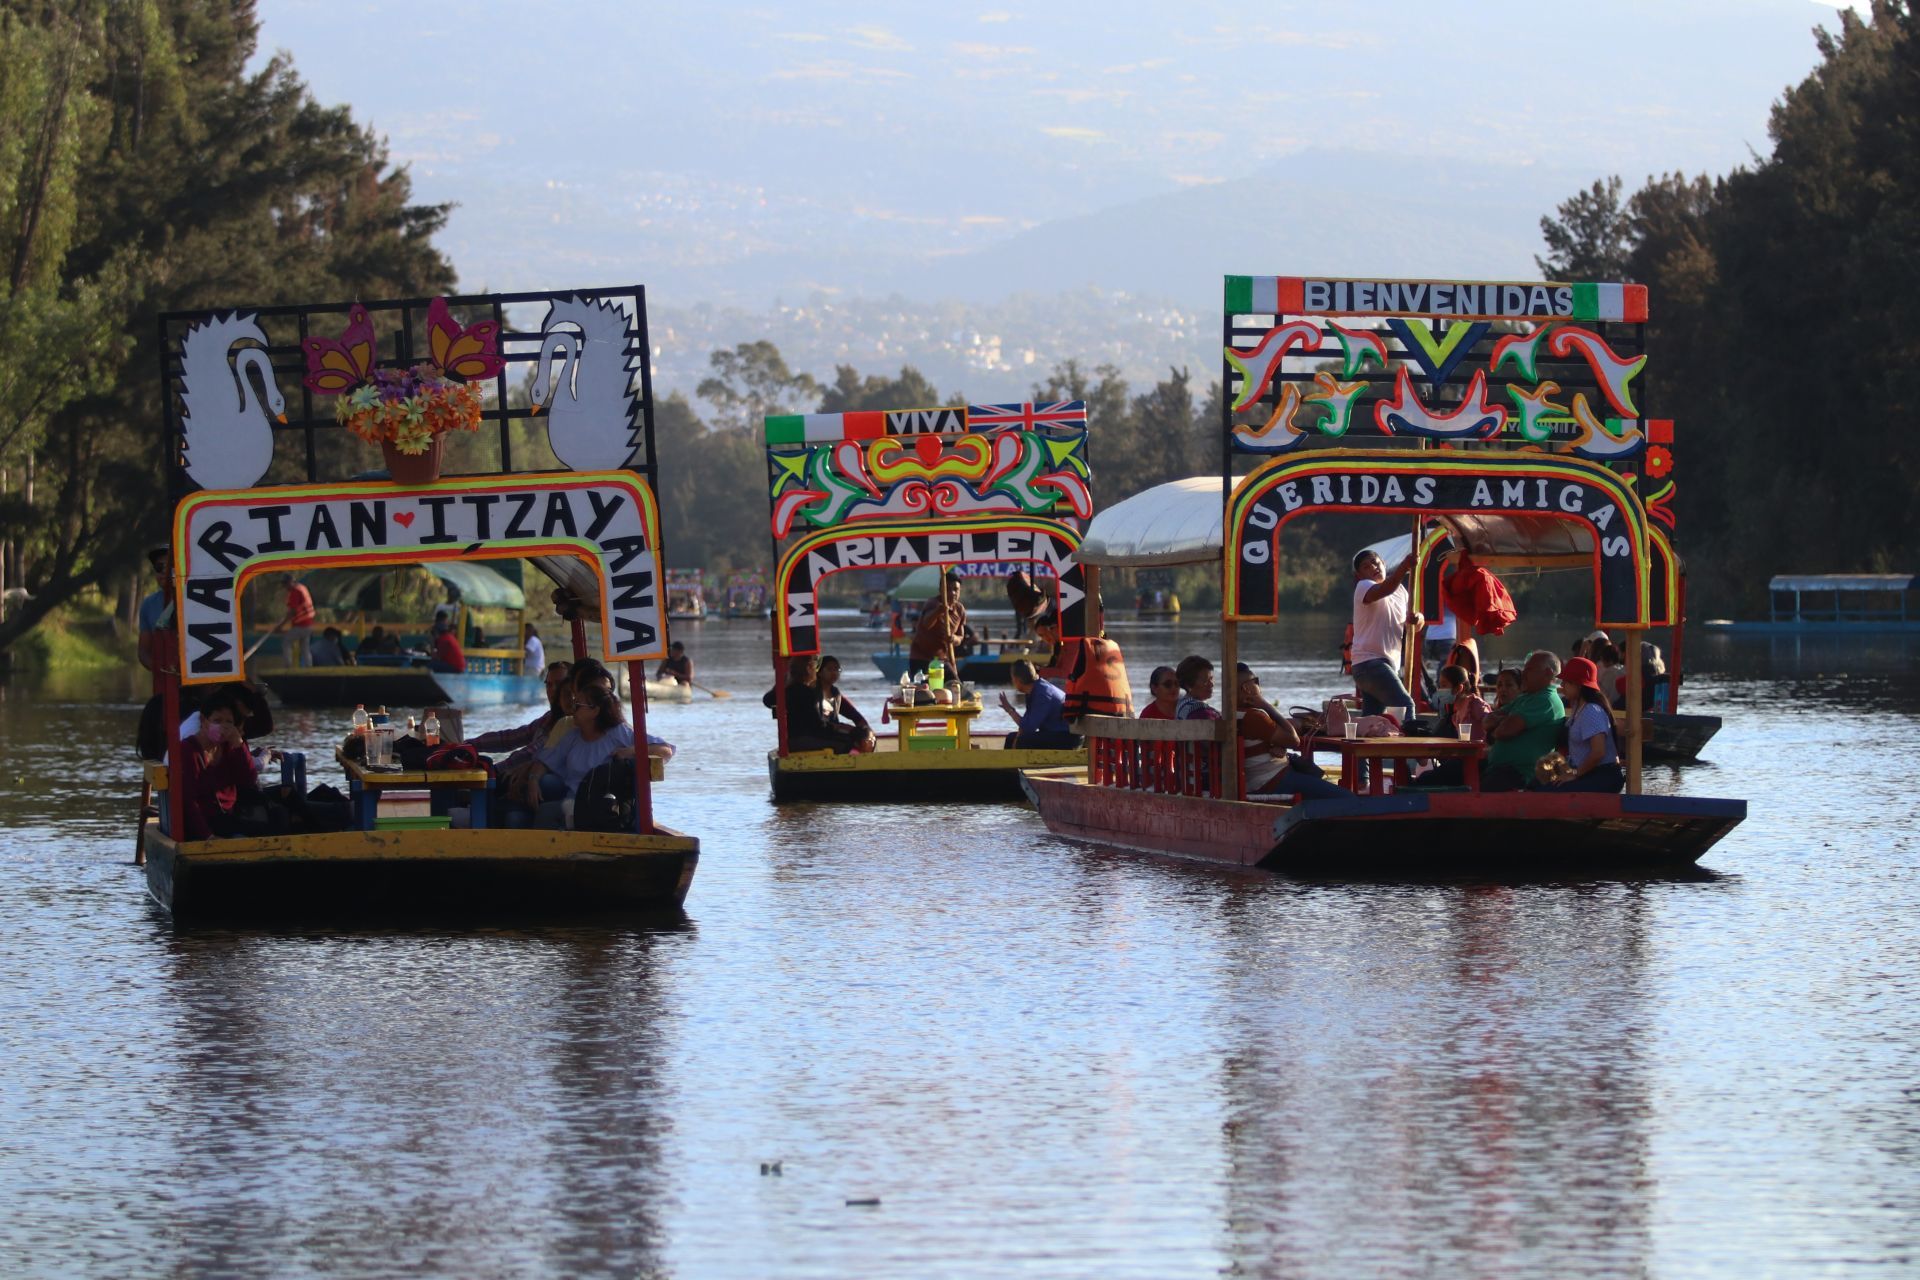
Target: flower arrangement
(407,408)
(406,411)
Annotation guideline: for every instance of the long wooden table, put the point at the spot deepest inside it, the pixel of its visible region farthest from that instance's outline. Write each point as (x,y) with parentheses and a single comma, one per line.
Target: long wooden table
(365,785)
(1353,751)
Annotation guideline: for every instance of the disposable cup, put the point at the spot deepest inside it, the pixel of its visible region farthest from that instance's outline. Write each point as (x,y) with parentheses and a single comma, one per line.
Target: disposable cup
(1466,733)
(1350,731)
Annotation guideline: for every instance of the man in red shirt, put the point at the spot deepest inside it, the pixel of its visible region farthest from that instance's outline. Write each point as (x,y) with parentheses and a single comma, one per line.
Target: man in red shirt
(299,622)
(448,656)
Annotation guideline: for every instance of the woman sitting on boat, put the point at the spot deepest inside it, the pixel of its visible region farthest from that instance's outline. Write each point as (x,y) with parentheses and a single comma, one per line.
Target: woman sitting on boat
(600,733)
(217,781)
(1163,690)
(807,728)
(1265,738)
(1592,747)
(835,705)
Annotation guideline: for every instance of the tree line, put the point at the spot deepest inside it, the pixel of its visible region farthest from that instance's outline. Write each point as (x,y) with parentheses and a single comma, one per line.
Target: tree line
(1784,316)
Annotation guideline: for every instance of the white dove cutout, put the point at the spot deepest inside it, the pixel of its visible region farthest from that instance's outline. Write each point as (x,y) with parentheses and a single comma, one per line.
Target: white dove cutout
(584,383)
(229,439)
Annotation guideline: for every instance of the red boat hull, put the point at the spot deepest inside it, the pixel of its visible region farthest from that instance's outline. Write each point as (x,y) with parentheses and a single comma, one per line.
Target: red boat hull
(1412,832)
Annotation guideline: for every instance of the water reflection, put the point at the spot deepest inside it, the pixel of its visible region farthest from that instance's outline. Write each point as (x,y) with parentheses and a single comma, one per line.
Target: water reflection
(1428,1081)
(481,1103)
(1045,1059)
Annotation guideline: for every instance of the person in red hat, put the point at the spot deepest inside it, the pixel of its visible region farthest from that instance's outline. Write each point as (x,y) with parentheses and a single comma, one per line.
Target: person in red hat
(1593,748)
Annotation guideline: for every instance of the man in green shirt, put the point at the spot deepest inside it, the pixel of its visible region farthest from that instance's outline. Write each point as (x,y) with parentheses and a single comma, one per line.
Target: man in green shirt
(1527,729)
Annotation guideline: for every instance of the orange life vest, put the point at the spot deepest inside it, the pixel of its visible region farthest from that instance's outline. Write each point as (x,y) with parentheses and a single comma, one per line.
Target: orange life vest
(1097,683)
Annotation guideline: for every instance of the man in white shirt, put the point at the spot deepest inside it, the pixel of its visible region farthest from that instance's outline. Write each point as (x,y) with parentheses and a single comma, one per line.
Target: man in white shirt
(1379,625)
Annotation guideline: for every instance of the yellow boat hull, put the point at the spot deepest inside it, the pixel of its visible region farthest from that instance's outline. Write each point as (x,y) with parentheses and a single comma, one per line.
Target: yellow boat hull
(987,771)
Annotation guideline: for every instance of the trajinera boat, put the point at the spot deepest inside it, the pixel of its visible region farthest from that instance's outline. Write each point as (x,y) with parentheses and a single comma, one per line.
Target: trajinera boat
(1005,484)
(1570,470)
(495,674)
(589,521)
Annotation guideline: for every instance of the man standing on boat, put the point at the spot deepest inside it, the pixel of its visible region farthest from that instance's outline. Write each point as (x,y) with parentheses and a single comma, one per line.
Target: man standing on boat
(299,622)
(942,626)
(1379,624)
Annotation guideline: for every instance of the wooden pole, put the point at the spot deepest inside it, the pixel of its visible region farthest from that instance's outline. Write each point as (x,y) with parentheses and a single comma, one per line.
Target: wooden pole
(1636,688)
(1229,683)
(1096,616)
(642,760)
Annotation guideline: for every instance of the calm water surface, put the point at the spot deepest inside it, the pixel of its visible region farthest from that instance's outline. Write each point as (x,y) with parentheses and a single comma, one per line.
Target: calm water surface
(1042,1059)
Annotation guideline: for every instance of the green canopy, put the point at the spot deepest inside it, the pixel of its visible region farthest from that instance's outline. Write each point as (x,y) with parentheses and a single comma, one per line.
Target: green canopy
(479,585)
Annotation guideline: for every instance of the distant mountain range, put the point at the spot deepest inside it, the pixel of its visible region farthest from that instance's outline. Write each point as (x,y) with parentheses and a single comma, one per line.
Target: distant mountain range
(1136,285)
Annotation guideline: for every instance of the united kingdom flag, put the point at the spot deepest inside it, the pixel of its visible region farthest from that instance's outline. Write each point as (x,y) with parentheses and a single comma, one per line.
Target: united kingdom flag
(1026,417)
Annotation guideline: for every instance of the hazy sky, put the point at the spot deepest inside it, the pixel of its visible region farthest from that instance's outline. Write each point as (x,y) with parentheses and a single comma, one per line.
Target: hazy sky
(602,140)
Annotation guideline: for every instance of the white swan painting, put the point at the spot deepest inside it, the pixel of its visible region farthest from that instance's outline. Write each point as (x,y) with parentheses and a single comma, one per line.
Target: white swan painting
(584,383)
(229,440)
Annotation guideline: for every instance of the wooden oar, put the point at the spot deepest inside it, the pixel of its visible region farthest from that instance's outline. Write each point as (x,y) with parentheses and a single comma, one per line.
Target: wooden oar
(717,693)
(262,640)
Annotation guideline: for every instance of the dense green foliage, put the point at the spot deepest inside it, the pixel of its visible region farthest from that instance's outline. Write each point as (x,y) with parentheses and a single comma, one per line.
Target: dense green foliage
(1785,315)
(142,169)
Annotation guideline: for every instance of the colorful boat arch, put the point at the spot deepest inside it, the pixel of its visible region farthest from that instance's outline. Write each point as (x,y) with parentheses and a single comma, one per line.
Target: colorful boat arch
(1046,544)
(607,520)
(1436,483)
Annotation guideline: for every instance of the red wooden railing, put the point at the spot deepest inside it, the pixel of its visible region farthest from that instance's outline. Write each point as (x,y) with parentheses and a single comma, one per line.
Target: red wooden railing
(1166,757)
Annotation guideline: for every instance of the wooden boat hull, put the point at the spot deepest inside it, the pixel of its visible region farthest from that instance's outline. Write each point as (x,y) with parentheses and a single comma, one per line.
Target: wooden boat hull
(893,777)
(437,873)
(1677,737)
(396,687)
(1408,833)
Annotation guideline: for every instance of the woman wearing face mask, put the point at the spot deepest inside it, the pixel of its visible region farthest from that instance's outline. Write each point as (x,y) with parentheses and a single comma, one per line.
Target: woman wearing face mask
(217,786)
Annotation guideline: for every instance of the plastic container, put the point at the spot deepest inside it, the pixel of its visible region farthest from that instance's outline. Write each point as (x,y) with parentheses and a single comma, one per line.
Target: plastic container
(936,674)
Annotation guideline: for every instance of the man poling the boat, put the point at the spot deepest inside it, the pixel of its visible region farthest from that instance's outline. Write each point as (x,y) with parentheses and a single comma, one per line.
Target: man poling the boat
(941,629)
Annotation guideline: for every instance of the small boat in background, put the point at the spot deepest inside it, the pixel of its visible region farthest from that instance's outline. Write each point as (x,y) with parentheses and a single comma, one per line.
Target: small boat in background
(686,595)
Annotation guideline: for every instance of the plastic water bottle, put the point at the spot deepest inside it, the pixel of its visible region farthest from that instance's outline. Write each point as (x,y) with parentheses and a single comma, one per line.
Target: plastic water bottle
(360,720)
(432,728)
(906,689)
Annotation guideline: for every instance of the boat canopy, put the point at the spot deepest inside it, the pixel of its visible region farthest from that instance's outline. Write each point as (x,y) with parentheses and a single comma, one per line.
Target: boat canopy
(1170,524)
(477,584)
(1180,523)
(1842,582)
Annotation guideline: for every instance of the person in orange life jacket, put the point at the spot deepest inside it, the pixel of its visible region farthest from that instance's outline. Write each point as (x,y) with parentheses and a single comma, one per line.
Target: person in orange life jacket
(1265,736)
(1096,673)
(1379,621)
(1043,725)
(448,656)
